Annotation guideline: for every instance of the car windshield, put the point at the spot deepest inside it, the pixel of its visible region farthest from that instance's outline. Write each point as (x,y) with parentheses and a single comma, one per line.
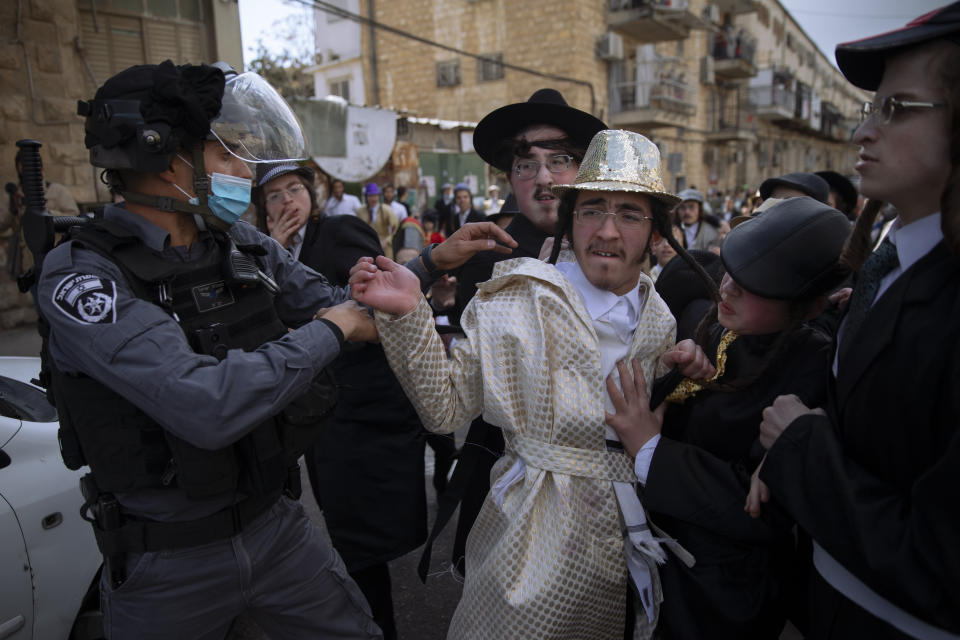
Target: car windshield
(22,401)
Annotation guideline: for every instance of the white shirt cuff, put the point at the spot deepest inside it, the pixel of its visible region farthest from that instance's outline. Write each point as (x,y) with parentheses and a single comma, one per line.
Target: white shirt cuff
(641,465)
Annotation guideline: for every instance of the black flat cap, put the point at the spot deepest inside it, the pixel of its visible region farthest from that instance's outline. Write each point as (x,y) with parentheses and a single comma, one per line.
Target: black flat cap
(862,61)
(790,251)
(545,106)
(809,183)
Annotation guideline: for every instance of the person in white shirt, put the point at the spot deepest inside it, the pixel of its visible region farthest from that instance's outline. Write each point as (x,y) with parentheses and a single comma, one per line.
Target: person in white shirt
(341,203)
(390,198)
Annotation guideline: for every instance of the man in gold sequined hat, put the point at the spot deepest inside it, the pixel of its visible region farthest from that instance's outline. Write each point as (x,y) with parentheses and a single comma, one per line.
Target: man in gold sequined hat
(539,342)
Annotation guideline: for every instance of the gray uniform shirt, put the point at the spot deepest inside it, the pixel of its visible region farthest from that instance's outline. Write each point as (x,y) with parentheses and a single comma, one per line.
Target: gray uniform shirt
(100,328)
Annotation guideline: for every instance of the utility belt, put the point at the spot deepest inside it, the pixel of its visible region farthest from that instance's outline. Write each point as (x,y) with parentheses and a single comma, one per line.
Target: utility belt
(118,534)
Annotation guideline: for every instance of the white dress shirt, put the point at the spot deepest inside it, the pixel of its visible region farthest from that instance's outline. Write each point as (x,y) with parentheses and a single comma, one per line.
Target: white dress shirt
(913,241)
(346,206)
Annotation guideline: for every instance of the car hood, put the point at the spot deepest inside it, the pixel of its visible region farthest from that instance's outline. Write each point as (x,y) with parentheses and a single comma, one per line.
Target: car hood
(23,370)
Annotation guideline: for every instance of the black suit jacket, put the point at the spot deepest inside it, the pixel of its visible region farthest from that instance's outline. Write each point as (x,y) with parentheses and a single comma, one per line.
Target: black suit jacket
(366,467)
(452,221)
(877,484)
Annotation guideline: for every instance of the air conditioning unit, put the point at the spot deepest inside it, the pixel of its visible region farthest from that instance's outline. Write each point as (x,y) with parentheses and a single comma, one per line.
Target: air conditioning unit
(706,70)
(610,46)
(711,13)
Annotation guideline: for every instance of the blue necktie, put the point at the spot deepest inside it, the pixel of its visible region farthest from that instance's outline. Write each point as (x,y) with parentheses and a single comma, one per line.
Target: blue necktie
(880,263)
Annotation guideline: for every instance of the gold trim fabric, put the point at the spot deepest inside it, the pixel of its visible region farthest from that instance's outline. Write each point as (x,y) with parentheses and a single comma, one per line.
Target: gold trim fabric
(549,561)
(689,388)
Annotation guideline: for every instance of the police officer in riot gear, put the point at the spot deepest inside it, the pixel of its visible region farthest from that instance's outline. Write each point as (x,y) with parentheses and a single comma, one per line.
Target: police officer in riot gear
(187,364)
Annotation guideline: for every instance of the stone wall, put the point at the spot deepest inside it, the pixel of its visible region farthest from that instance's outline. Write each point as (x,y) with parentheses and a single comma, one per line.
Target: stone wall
(557,38)
(42,75)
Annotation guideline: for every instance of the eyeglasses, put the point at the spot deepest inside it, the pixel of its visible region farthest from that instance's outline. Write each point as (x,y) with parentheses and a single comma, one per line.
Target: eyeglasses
(276,197)
(890,107)
(623,219)
(526,169)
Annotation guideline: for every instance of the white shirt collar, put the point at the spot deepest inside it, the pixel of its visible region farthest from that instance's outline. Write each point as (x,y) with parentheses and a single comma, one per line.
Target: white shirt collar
(915,240)
(599,301)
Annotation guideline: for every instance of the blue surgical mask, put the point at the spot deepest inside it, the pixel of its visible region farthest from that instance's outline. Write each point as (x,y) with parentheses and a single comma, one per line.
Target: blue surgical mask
(229,196)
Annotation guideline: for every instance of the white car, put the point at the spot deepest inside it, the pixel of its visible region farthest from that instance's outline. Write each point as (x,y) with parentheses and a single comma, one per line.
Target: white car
(49,560)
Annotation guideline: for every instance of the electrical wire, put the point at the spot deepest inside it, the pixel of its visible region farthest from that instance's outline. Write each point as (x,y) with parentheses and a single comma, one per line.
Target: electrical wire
(348,15)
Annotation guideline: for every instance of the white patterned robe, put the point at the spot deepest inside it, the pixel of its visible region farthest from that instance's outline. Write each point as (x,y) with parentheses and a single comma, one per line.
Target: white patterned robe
(549,562)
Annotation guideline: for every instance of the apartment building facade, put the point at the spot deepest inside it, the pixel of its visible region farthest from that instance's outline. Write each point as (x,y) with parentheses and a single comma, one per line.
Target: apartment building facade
(732,91)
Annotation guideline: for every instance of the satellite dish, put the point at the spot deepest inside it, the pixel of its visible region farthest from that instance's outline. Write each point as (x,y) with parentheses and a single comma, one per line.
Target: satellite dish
(348,142)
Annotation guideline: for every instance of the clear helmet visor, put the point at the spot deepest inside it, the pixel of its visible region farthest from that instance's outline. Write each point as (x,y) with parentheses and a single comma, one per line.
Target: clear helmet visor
(256,124)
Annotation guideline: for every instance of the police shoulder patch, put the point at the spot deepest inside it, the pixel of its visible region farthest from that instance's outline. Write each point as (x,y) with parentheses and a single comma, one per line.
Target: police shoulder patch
(87,299)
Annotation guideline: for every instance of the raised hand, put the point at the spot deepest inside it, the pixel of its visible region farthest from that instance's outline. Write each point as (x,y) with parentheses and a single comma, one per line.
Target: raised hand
(467,241)
(284,228)
(384,285)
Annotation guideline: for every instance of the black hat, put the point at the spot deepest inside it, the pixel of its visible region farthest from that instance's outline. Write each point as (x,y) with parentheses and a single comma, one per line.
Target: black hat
(809,183)
(790,251)
(842,185)
(862,61)
(545,106)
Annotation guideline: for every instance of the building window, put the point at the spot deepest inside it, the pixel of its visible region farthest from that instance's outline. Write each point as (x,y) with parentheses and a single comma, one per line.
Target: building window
(448,73)
(333,16)
(490,68)
(123,33)
(763,15)
(339,87)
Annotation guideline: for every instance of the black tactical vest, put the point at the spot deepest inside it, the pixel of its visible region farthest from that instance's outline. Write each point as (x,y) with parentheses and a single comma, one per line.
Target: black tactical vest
(218,309)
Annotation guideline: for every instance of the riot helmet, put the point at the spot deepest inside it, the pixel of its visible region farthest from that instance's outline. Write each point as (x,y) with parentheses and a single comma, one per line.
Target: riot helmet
(145,115)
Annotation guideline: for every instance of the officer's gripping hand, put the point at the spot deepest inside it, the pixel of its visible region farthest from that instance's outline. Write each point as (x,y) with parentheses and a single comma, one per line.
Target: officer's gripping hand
(353,320)
(385,286)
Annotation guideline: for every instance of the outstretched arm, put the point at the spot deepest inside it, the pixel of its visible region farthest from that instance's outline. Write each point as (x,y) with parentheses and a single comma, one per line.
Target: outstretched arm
(445,392)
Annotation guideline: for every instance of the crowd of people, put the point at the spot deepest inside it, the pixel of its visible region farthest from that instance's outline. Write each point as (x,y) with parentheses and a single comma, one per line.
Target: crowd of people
(683,420)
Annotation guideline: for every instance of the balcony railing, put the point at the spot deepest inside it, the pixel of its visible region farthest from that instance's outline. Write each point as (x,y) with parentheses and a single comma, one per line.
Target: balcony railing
(652,20)
(656,103)
(774,102)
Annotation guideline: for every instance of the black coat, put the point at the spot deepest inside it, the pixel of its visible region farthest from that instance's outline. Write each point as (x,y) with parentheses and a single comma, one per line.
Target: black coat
(699,478)
(451,222)
(877,484)
(367,468)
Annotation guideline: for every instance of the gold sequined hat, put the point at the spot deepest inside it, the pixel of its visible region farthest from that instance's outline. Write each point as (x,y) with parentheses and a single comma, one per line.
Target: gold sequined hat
(619,160)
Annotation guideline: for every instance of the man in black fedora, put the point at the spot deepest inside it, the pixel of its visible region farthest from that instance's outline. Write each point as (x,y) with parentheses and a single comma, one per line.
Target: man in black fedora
(843,195)
(537,143)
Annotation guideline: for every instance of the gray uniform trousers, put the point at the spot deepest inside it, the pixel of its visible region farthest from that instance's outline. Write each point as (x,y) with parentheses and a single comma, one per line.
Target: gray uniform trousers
(280,570)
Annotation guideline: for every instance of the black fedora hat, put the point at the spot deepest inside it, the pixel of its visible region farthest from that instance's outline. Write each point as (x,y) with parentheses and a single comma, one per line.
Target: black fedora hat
(862,61)
(842,185)
(809,183)
(545,106)
(790,251)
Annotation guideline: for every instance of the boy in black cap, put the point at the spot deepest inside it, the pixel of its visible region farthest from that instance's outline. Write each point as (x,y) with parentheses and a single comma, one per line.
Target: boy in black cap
(779,265)
(876,481)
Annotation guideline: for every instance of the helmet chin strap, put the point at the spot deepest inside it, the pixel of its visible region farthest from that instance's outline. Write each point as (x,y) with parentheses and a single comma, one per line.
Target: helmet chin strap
(201,187)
